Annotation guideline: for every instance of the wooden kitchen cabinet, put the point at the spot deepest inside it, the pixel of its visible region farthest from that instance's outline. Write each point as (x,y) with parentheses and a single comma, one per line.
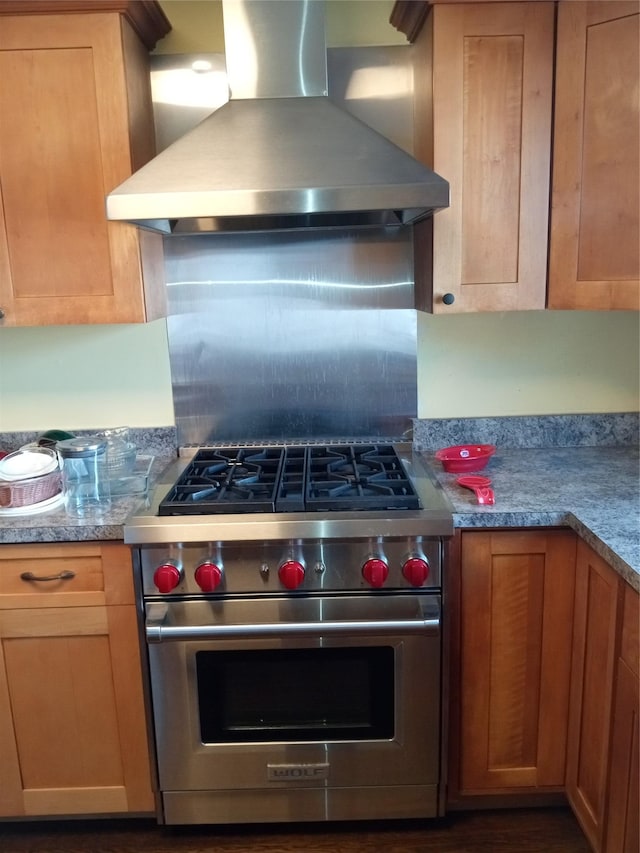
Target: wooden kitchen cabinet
(483,88)
(487,108)
(622,812)
(72,723)
(602,756)
(75,121)
(511,611)
(595,225)
(592,680)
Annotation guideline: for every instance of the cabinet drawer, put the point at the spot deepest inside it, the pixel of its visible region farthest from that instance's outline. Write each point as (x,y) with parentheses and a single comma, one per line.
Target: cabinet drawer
(64,575)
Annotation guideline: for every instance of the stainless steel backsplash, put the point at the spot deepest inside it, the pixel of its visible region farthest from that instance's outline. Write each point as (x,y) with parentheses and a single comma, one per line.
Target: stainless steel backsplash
(301,335)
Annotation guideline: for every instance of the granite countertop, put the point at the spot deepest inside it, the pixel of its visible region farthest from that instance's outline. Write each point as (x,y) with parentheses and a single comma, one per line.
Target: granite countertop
(55,525)
(593,490)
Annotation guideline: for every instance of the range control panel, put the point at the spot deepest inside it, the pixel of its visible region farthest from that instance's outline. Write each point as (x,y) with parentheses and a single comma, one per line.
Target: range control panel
(294,566)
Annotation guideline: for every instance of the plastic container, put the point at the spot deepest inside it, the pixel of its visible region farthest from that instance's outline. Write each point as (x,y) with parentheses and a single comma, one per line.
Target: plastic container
(52,436)
(85,476)
(28,462)
(462,458)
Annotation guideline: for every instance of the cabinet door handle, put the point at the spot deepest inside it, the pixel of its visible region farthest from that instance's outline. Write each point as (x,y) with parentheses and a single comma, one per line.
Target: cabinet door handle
(63,576)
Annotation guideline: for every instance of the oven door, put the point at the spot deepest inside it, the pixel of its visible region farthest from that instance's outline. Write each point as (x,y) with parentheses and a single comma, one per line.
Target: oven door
(307,694)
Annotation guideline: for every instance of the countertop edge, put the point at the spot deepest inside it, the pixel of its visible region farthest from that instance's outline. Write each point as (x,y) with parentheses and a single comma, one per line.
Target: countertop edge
(461,521)
(528,503)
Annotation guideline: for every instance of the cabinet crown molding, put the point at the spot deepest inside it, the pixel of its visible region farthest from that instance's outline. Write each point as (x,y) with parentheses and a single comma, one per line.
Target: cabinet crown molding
(145,16)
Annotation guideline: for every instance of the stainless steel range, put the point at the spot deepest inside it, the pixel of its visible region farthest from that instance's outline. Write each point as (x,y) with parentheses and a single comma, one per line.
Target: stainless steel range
(292,622)
(291,590)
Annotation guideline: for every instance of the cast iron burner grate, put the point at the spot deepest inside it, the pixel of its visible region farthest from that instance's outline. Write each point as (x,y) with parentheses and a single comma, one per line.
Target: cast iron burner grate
(291,479)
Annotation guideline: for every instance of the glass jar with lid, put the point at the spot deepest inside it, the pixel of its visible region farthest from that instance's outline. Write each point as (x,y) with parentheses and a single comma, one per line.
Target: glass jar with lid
(85,476)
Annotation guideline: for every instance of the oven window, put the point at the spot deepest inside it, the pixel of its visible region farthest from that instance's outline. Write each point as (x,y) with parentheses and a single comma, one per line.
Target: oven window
(296,694)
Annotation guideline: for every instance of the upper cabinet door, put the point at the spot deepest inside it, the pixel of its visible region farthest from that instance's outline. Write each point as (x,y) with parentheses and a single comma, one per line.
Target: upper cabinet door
(595,227)
(74,88)
(488,69)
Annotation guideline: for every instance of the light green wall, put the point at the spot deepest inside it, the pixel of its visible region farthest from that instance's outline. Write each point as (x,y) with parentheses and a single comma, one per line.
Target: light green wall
(469,365)
(539,362)
(358,23)
(528,363)
(197,25)
(85,377)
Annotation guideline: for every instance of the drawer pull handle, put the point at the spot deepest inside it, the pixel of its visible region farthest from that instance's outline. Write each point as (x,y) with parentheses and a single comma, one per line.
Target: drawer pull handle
(63,576)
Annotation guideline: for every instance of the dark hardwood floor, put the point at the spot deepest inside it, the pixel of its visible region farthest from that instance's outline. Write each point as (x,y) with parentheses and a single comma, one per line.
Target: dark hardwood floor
(508,831)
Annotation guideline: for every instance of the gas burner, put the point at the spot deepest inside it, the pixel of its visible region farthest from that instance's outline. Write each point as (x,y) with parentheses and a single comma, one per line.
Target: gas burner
(369,477)
(291,479)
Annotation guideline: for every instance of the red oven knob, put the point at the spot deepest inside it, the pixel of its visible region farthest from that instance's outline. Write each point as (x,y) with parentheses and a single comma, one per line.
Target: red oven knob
(291,574)
(167,577)
(375,572)
(208,576)
(416,571)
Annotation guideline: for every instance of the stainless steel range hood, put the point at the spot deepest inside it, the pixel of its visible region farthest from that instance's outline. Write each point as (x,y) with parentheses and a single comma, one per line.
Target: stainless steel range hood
(279,155)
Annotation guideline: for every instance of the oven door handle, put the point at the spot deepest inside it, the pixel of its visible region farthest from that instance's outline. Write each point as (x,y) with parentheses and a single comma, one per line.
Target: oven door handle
(156,632)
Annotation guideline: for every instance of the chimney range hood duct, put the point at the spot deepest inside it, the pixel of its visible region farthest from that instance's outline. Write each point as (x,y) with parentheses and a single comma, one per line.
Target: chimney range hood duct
(279,154)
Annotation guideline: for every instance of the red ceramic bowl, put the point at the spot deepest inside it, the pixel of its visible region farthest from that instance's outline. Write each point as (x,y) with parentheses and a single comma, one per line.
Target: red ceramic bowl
(465,457)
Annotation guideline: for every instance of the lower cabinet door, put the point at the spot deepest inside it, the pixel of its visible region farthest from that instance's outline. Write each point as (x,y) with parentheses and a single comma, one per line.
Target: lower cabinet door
(72,726)
(623,815)
(511,659)
(592,678)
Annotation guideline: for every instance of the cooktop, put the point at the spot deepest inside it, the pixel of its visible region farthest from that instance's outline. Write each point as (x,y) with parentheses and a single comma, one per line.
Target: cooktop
(291,479)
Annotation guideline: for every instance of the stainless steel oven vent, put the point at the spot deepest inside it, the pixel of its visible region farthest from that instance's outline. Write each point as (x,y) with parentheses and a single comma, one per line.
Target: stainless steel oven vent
(279,155)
